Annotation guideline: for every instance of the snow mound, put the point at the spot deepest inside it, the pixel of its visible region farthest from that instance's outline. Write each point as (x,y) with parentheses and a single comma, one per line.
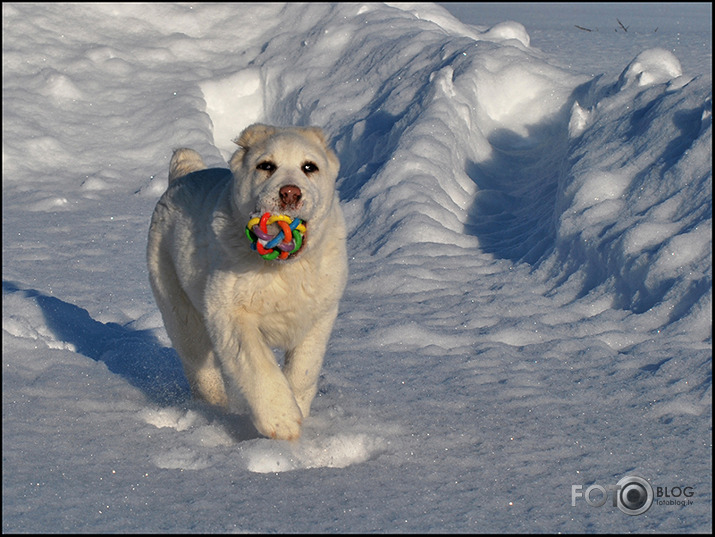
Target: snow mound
(233,101)
(652,66)
(505,31)
(337,451)
(207,439)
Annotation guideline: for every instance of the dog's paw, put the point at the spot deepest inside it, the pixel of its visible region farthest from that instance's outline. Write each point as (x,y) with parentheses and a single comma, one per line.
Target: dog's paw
(280,423)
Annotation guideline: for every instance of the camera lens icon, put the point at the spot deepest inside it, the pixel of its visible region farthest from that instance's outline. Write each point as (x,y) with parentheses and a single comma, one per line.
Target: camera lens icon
(635,495)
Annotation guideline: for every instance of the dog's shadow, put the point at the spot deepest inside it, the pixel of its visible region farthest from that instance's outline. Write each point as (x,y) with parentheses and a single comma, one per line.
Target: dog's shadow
(135,355)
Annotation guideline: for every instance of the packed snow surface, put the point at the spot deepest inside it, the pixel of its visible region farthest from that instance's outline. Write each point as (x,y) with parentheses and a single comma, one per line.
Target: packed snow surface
(530,247)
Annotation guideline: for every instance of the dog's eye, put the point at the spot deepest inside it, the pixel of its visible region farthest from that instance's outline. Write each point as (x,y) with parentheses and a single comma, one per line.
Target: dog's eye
(309,167)
(266,166)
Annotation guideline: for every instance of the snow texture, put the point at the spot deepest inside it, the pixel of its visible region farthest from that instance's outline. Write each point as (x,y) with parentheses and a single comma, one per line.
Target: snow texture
(530,242)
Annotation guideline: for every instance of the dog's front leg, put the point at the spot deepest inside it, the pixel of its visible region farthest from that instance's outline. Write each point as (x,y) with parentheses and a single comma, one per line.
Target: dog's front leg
(304,362)
(249,365)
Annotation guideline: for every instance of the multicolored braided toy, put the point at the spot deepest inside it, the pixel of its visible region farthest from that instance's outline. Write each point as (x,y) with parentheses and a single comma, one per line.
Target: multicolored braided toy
(287,241)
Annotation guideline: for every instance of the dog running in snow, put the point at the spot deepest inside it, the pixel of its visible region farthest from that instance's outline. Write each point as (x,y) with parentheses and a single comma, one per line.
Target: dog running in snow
(224,306)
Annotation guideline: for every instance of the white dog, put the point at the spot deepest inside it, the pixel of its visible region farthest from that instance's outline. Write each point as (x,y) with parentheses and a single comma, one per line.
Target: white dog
(224,306)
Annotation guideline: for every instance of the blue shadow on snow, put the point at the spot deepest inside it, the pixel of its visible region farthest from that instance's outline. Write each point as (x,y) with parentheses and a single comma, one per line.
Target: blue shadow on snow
(135,355)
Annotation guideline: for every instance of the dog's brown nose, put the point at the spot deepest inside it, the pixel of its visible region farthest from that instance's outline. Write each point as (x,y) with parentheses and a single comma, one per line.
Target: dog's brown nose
(290,195)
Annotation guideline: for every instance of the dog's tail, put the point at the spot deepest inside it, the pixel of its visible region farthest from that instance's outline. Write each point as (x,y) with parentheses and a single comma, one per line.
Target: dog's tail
(183,162)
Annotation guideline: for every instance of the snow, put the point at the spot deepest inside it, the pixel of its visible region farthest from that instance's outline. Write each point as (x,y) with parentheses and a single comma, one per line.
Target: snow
(529,308)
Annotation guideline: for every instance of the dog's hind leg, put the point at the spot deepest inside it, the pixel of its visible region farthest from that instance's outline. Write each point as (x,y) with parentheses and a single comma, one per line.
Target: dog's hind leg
(183,162)
(194,348)
(186,330)
(188,335)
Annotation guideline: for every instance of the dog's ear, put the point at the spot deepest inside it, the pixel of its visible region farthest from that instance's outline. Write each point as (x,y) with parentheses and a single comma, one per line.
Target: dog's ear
(316,133)
(248,138)
(319,136)
(253,134)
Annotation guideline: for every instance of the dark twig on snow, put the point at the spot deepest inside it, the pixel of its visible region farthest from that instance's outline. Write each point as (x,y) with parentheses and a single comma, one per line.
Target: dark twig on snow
(582,28)
(625,28)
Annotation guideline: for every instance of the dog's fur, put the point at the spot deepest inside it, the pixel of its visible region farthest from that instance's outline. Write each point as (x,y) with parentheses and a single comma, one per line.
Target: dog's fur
(224,307)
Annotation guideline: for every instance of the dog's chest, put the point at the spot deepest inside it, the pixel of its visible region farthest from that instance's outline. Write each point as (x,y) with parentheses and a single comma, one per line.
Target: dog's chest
(283,306)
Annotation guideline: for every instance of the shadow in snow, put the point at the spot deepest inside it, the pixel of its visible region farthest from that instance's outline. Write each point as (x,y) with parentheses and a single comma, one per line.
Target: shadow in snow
(514,213)
(135,355)
(513,210)
(363,148)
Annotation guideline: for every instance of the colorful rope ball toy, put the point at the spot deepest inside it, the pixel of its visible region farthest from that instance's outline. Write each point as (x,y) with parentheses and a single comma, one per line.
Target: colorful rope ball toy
(287,241)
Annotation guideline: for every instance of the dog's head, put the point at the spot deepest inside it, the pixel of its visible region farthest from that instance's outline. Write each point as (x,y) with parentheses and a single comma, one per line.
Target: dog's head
(284,170)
